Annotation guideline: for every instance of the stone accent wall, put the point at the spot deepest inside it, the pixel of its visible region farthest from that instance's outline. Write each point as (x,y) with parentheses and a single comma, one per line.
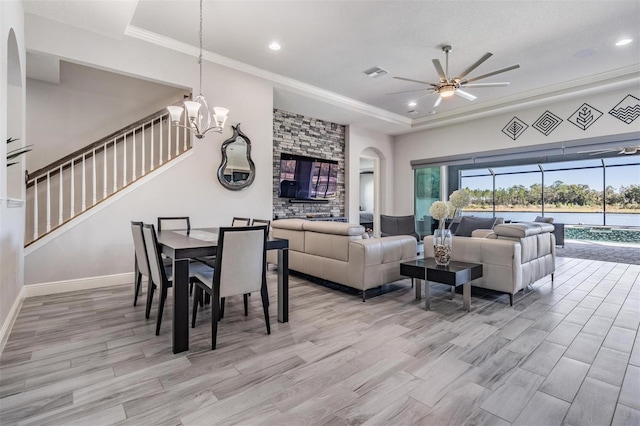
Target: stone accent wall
(300,135)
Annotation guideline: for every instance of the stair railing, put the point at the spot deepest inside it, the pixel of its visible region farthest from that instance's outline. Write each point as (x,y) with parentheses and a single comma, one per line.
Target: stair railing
(75,183)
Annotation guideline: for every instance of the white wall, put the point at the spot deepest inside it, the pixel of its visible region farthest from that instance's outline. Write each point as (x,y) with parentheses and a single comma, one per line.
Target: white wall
(357,141)
(102,244)
(486,134)
(86,111)
(11,120)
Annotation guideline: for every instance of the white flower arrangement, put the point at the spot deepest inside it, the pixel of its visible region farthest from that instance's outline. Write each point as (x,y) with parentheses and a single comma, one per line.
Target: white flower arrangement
(439,210)
(452,209)
(460,199)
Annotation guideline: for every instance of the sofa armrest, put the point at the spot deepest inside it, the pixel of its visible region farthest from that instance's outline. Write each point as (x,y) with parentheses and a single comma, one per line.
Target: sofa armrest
(376,261)
(375,251)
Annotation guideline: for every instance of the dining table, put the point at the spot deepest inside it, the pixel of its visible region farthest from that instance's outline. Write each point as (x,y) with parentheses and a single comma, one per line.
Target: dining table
(183,245)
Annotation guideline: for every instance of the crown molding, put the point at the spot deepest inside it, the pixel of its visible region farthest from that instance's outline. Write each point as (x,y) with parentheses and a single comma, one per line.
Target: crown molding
(278,80)
(611,80)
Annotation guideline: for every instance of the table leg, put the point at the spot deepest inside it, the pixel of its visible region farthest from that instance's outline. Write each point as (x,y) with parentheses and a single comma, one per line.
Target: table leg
(180,338)
(466,296)
(418,288)
(453,292)
(427,296)
(283,285)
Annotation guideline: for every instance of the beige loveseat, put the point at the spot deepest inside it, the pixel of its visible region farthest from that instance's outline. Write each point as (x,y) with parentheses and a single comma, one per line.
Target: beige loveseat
(337,252)
(513,255)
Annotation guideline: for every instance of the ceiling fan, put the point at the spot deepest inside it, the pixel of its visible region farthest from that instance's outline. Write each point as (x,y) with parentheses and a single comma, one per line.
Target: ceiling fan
(629,150)
(449,86)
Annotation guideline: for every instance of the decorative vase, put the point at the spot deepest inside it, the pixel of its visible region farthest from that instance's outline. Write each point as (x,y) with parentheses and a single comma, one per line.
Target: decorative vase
(442,241)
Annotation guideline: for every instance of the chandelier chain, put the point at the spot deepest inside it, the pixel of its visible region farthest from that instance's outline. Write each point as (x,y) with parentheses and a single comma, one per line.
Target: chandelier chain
(200,56)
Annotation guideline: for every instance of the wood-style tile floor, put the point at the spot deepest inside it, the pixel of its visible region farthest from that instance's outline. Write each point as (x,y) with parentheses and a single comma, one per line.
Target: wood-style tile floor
(570,355)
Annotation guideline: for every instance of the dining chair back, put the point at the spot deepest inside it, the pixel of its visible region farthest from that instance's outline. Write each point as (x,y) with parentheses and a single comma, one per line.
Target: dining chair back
(141,261)
(240,269)
(171,223)
(261,222)
(241,221)
(158,273)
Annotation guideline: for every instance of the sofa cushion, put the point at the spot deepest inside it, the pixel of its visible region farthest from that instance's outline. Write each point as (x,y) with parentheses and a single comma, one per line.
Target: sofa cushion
(543,219)
(522,229)
(470,224)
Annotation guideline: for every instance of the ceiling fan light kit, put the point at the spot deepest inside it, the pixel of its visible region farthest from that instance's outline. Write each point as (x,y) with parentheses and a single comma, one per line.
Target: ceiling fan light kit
(447,90)
(447,87)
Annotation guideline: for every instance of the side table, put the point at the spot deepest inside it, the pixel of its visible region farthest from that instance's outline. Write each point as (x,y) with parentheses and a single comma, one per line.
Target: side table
(454,274)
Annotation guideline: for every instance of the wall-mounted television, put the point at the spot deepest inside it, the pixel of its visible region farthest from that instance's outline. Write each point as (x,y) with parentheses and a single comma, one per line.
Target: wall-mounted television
(307,178)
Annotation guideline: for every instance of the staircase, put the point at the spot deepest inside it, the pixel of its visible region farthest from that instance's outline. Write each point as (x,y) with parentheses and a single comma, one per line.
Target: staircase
(65,189)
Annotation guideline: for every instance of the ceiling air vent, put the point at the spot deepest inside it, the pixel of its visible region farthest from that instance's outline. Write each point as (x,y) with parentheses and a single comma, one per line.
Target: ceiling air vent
(375,72)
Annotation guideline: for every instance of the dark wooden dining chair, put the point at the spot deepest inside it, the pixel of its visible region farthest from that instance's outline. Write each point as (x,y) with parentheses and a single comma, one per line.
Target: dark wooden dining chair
(141,266)
(172,223)
(240,269)
(182,223)
(261,222)
(241,221)
(159,275)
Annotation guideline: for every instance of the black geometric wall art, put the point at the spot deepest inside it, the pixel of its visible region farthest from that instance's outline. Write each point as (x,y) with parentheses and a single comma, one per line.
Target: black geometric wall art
(584,117)
(627,109)
(515,128)
(547,123)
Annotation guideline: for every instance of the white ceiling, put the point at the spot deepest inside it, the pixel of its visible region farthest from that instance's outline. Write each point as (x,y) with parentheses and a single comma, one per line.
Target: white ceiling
(327,44)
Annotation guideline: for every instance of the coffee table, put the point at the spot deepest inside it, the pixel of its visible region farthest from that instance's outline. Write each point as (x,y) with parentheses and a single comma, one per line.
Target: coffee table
(454,274)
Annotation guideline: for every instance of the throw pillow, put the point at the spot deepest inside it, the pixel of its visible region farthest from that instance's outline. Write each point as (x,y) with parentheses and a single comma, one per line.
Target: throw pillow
(470,224)
(543,219)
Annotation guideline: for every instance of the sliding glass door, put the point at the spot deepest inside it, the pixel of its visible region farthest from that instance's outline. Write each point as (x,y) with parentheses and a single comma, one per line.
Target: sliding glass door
(427,191)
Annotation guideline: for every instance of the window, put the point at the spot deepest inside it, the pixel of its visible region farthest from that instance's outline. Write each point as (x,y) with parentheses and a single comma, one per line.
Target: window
(592,191)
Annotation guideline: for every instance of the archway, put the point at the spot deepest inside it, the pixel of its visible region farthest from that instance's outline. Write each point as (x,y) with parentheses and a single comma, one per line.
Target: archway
(15,173)
(369,195)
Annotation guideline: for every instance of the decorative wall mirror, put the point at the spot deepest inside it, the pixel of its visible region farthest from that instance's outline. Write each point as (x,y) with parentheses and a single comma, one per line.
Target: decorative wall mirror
(237,170)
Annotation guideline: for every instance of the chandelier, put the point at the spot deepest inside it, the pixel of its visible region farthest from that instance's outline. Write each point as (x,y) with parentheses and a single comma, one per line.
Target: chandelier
(200,118)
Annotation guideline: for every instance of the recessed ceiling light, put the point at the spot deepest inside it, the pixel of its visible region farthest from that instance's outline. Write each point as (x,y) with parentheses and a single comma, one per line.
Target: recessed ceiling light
(624,42)
(412,103)
(274,46)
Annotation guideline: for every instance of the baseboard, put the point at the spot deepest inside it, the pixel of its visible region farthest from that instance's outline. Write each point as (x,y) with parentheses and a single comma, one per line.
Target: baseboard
(56,287)
(7,326)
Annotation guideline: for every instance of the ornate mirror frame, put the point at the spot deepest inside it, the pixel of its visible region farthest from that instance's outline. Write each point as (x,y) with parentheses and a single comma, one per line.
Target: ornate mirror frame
(235,186)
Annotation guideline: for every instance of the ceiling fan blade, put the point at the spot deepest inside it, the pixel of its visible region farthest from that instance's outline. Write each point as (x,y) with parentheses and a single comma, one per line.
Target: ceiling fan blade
(474,66)
(464,94)
(435,105)
(439,70)
(415,81)
(424,96)
(501,84)
(412,91)
(469,80)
